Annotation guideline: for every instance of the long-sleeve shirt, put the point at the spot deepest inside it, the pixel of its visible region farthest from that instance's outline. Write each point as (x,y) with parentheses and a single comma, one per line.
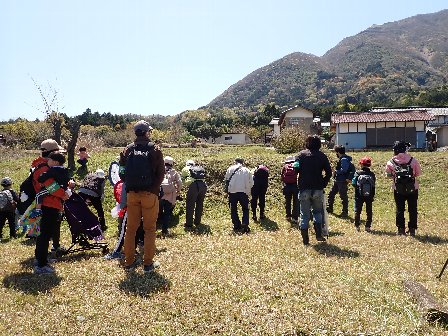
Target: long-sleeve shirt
(241,181)
(403,158)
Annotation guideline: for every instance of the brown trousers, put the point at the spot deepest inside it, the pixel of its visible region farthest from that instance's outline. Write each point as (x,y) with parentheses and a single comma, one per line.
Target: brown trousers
(141,204)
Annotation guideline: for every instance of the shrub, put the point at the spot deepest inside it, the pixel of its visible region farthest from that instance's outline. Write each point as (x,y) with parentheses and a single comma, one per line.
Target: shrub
(290,140)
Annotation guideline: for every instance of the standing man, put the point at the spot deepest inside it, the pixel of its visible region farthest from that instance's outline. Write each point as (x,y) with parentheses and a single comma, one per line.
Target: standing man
(193,178)
(403,169)
(143,175)
(310,164)
(52,206)
(341,180)
(240,183)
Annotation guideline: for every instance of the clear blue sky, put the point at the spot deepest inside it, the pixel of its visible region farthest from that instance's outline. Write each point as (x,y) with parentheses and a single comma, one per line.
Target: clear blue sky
(163,57)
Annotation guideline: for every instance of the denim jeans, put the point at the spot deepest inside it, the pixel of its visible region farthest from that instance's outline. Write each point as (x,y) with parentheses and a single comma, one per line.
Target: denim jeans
(311,199)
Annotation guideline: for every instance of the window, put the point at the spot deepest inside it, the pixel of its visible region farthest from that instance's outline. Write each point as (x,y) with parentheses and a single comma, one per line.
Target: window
(294,121)
(228,137)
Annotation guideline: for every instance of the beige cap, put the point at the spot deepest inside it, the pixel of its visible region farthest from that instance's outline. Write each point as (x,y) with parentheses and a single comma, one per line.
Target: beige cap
(50,145)
(142,126)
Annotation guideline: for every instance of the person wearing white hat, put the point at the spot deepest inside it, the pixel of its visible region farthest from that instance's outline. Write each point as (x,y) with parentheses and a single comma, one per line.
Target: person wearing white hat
(171,186)
(92,191)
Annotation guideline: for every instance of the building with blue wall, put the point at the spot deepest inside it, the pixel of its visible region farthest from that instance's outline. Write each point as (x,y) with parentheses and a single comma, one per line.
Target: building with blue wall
(377,129)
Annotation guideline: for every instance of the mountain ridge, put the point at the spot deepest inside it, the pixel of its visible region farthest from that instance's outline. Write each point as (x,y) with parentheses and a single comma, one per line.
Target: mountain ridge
(377,65)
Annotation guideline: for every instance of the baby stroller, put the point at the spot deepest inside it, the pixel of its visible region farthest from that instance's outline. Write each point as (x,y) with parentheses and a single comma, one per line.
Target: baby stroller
(84,226)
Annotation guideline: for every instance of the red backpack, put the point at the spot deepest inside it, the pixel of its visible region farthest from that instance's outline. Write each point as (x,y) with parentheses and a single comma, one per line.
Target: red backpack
(289,175)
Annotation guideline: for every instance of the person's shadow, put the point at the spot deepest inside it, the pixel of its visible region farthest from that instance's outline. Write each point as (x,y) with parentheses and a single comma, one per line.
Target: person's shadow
(29,283)
(268,224)
(333,250)
(144,285)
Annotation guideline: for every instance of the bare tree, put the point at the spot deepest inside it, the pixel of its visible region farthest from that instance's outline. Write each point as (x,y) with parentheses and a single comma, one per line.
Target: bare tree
(53,116)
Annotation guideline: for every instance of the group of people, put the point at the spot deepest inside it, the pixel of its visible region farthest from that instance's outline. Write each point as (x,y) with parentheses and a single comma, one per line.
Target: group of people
(152,186)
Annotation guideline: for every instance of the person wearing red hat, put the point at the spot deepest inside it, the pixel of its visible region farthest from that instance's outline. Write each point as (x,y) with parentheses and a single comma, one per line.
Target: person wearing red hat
(364,183)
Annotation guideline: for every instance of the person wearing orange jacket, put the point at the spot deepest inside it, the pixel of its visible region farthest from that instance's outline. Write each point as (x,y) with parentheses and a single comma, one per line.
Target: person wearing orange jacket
(52,205)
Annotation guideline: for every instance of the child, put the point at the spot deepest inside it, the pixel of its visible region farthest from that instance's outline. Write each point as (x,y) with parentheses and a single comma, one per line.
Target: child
(58,173)
(8,201)
(364,183)
(83,156)
(290,190)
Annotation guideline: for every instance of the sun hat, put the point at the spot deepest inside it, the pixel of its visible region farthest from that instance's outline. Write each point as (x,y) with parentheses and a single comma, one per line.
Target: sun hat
(189,163)
(50,145)
(100,173)
(289,159)
(168,160)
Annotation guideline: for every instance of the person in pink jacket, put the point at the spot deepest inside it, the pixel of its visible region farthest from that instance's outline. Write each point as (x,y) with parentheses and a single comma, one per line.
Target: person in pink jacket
(403,169)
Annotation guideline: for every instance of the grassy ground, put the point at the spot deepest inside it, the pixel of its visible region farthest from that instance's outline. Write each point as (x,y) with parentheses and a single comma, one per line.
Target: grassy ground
(213,282)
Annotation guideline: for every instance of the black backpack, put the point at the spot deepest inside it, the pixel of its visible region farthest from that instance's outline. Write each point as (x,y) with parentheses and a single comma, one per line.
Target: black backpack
(197,172)
(365,184)
(404,178)
(139,172)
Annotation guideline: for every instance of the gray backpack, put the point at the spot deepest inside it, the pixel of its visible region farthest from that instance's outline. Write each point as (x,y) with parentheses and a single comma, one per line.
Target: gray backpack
(6,201)
(365,185)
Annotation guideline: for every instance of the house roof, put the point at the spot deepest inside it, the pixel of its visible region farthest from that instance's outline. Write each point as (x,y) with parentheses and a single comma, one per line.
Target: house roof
(353,117)
(274,121)
(283,115)
(433,110)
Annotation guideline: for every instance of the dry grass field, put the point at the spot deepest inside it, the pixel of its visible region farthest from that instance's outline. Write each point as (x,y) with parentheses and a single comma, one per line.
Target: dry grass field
(214,282)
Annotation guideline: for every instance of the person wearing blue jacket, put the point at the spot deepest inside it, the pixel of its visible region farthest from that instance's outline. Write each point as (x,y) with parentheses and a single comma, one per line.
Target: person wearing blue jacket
(341,177)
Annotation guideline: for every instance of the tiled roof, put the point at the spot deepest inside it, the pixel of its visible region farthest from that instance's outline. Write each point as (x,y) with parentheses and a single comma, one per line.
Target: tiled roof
(433,110)
(411,115)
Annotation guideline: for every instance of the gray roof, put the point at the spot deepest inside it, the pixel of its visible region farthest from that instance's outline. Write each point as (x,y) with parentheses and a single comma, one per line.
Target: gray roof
(435,111)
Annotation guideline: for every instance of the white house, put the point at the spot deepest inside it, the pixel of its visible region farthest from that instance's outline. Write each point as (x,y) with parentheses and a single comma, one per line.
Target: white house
(296,116)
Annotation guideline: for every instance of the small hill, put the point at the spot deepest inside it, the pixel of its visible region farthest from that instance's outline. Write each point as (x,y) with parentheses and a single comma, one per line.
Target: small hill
(379,64)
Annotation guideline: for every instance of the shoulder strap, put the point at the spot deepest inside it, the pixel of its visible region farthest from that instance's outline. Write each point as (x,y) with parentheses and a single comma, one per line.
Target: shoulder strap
(410,160)
(234,173)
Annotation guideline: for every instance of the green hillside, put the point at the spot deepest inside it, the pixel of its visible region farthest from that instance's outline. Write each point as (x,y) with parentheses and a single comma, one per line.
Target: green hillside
(379,65)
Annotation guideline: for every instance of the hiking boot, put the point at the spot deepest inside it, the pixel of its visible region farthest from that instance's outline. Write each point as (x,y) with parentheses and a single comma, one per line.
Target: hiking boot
(151,267)
(412,232)
(368,229)
(254,218)
(329,209)
(47,269)
(344,214)
(305,236)
(401,231)
(262,216)
(358,228)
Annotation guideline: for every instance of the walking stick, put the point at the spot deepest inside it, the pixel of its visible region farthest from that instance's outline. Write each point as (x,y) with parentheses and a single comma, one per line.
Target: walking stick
(443,269)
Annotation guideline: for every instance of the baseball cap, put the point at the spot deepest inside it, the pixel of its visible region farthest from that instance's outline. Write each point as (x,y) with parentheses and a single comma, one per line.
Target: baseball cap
(142,126)
(189,163)
(50,145)
(99,173)
(366,161)
(290,159)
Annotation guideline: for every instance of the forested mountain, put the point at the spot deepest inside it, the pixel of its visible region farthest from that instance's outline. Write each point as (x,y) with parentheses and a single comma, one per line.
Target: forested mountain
(381,66)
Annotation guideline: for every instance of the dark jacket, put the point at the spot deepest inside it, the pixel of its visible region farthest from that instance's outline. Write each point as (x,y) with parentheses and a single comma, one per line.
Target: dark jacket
(158,166)
(311,164)
(261,178)
(93,185)
(59,174)
(342,168)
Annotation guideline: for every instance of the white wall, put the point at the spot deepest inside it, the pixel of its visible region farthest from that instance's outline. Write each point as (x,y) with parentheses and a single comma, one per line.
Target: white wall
(233,139)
